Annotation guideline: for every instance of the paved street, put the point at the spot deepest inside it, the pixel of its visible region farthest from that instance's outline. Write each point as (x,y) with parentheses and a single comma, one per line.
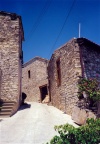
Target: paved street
(32,125)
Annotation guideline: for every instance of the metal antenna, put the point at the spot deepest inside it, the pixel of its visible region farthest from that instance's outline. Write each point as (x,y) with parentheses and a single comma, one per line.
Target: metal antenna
(79,30)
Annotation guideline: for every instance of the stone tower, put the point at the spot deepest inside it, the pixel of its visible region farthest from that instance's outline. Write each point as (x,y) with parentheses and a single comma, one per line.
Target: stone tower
(11,37)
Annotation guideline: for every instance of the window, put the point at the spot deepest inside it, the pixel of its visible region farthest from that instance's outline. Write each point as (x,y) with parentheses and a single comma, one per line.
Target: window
(58,72)
(29,74)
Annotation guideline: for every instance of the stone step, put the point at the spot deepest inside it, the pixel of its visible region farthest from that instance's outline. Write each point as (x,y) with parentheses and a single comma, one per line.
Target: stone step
(7,106)
(8,103)
(6,109)
(4,116)
(5,113)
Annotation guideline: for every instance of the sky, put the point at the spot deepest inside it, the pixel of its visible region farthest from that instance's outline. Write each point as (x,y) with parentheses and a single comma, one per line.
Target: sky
(49,24)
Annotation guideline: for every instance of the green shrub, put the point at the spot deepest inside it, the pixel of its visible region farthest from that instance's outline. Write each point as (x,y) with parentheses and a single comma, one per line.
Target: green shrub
(86,134)
(90,87)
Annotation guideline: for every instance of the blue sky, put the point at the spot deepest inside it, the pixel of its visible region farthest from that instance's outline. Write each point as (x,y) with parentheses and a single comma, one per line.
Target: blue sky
(48,24)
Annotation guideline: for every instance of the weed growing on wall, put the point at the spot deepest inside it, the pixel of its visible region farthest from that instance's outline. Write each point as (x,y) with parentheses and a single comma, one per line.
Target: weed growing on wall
(90,87)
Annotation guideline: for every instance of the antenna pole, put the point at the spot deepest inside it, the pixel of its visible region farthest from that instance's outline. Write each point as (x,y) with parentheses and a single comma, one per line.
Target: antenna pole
(79,30)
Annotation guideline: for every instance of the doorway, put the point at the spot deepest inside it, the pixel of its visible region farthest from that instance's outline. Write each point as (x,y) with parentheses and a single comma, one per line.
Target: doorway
(43,92)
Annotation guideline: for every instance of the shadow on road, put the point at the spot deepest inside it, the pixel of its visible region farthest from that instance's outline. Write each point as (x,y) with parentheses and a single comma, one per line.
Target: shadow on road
(24,106)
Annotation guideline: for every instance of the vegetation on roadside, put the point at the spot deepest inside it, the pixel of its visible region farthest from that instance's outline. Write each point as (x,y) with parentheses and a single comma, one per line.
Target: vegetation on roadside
(86,134)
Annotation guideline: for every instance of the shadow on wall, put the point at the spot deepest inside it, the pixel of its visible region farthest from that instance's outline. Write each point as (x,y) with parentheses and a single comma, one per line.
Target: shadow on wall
(23,104)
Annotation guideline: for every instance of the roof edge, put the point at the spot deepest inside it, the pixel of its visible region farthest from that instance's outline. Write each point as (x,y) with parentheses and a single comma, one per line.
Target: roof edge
(80,41)
(14,16)
(34,59)
(9,14)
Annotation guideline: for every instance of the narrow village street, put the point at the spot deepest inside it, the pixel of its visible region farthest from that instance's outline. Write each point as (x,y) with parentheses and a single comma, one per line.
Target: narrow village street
(32,125)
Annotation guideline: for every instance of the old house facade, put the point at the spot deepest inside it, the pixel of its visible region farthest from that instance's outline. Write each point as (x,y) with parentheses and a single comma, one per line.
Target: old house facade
(78,57)
(35,79)
(40,78)
(11,37)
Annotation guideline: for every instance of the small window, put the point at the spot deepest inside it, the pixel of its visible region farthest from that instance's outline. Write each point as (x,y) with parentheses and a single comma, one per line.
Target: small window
(29,74)
(58,72)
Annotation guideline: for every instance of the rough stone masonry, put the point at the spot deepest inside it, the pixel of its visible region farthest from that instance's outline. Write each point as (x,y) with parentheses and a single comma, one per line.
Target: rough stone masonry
(11,37)
(35,79)
(57,78)
(78,57)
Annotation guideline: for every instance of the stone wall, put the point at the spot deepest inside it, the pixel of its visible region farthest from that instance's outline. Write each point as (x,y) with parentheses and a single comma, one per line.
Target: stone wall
(0,83)
(78,57)
(11,36)
(37,67)
(91,60)
(64,96)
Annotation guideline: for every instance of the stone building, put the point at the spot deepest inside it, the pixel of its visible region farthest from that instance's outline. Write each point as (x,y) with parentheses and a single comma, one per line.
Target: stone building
(35,79)
(78,57)
(11,37)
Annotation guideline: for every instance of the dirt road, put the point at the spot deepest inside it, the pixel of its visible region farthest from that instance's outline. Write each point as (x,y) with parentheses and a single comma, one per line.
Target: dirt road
(33,124)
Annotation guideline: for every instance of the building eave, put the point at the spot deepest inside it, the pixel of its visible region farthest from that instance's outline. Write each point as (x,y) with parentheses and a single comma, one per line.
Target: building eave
(34,59)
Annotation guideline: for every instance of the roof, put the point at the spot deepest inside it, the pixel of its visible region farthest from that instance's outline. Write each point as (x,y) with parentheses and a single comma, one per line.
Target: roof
(81,41)
(13,17)
(34,59)
(88,43)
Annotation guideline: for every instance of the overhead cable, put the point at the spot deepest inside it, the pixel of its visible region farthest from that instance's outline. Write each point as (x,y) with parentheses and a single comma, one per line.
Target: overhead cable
(62,26)
(40,17)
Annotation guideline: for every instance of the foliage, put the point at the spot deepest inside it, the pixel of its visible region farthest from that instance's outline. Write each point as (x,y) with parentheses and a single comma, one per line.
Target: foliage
(86,134)
(90,87)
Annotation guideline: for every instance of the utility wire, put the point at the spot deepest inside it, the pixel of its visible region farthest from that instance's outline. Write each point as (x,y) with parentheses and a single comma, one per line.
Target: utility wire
(62,26)
(40,17)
